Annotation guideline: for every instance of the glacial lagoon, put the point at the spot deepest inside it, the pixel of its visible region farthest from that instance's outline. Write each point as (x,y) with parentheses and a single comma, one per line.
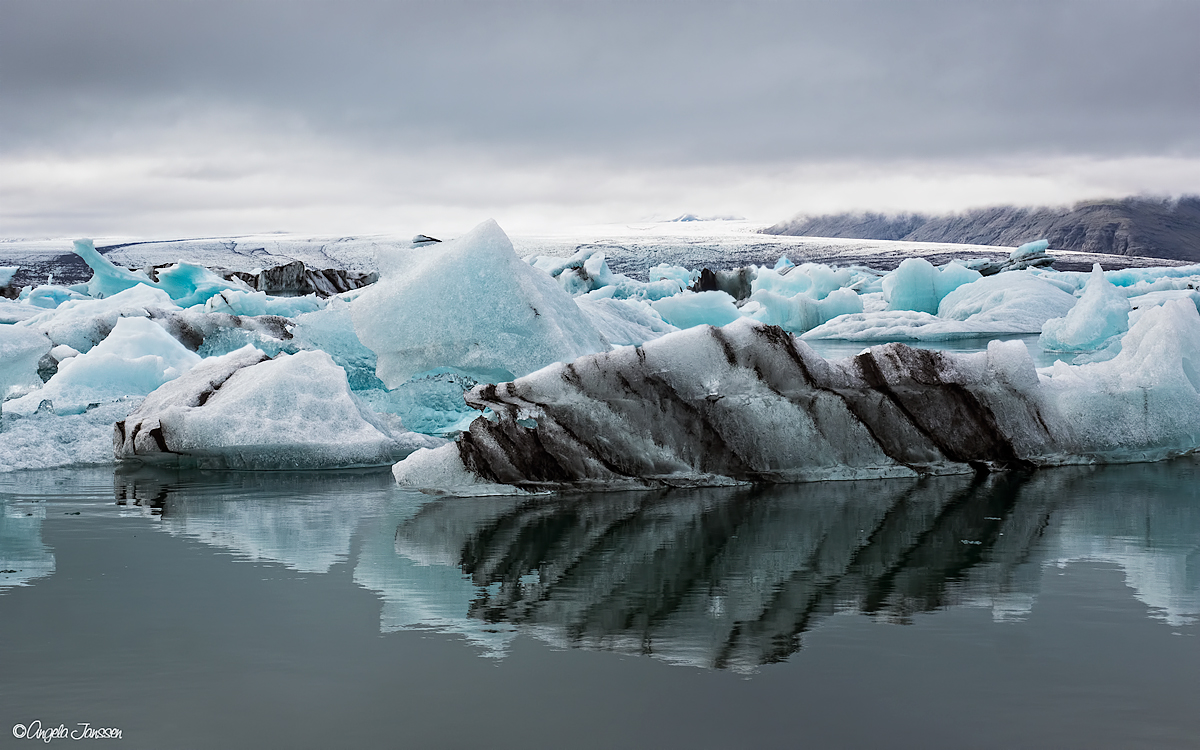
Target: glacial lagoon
(1056,608)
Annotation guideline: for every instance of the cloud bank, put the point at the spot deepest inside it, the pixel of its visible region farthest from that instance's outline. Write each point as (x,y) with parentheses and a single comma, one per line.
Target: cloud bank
(168,118)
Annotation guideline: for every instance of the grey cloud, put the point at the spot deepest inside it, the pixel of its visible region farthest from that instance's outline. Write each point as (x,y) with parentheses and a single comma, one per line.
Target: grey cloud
(672,82)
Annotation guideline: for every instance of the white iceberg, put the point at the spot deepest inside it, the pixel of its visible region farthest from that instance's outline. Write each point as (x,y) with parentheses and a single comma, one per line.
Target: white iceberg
(244,411)
(137,357)
(83,323)
(1015,302)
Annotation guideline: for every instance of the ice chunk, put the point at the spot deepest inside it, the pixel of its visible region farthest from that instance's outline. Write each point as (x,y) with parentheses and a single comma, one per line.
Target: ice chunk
(294,411)
(81,324)
(107,279)
(6,274)
(801,313)
(189,284)
(697,308)
(1030,249)
(470,304)
(743,403)
(683,276)
(1142,404)
(1019,301)
(1101,313)
(186,283)
(817,280)
(62,351)
(237,302)
(137,357)
(14,312)
(918,285)
(45,440)
(20,351)
(48,296)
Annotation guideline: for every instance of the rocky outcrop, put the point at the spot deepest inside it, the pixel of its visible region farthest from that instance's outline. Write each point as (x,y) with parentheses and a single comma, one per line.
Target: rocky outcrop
(1133,226)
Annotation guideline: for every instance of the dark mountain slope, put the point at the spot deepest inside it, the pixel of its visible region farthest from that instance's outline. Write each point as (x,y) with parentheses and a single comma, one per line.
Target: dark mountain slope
(1159,228)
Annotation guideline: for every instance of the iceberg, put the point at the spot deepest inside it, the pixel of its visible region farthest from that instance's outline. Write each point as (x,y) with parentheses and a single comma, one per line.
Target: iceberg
(1014,302)
(918,285)
(1014,299)
(692,309)
(1101,314)
(83,323)
(469,304)
(134,359)
(186,283)
(20,352)
(45,440)
(245,411)
(801,313)
(750,403)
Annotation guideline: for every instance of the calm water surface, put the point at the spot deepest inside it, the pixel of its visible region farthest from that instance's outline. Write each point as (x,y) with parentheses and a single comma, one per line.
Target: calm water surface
(1056,609)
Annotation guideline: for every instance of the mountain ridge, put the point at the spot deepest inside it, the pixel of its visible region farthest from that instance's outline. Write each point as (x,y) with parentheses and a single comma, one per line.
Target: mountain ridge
(1153,227)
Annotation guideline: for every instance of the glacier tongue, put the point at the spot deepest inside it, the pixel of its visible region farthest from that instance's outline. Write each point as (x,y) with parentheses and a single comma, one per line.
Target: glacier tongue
(751,403)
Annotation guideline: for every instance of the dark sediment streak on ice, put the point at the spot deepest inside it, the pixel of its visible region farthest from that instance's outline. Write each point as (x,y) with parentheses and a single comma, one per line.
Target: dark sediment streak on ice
(750,403)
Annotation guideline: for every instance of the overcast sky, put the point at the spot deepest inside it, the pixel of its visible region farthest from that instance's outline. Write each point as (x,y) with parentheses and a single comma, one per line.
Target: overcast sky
(180,118)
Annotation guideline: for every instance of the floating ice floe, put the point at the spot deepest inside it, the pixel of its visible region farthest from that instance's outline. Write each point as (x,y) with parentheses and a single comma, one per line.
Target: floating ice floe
(918,285)
(243,410)
(749,403)
(20,352)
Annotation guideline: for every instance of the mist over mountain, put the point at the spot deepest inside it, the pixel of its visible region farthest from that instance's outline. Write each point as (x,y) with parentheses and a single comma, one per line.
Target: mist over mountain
(1155,227)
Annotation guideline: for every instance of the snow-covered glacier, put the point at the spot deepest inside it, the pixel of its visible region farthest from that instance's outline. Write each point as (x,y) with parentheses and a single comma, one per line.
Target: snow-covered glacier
(484,372)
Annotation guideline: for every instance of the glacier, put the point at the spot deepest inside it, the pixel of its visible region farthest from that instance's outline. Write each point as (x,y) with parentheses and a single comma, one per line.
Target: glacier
(476,369)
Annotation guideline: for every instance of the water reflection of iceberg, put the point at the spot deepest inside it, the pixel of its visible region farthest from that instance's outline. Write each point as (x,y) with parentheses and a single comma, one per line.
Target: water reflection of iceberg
(302,520)
(733,578)
(721,578)
(23,555)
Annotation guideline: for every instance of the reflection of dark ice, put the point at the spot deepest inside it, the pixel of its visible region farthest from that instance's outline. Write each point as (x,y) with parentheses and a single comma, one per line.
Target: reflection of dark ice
(720,578)
(732,578)
(23,555)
